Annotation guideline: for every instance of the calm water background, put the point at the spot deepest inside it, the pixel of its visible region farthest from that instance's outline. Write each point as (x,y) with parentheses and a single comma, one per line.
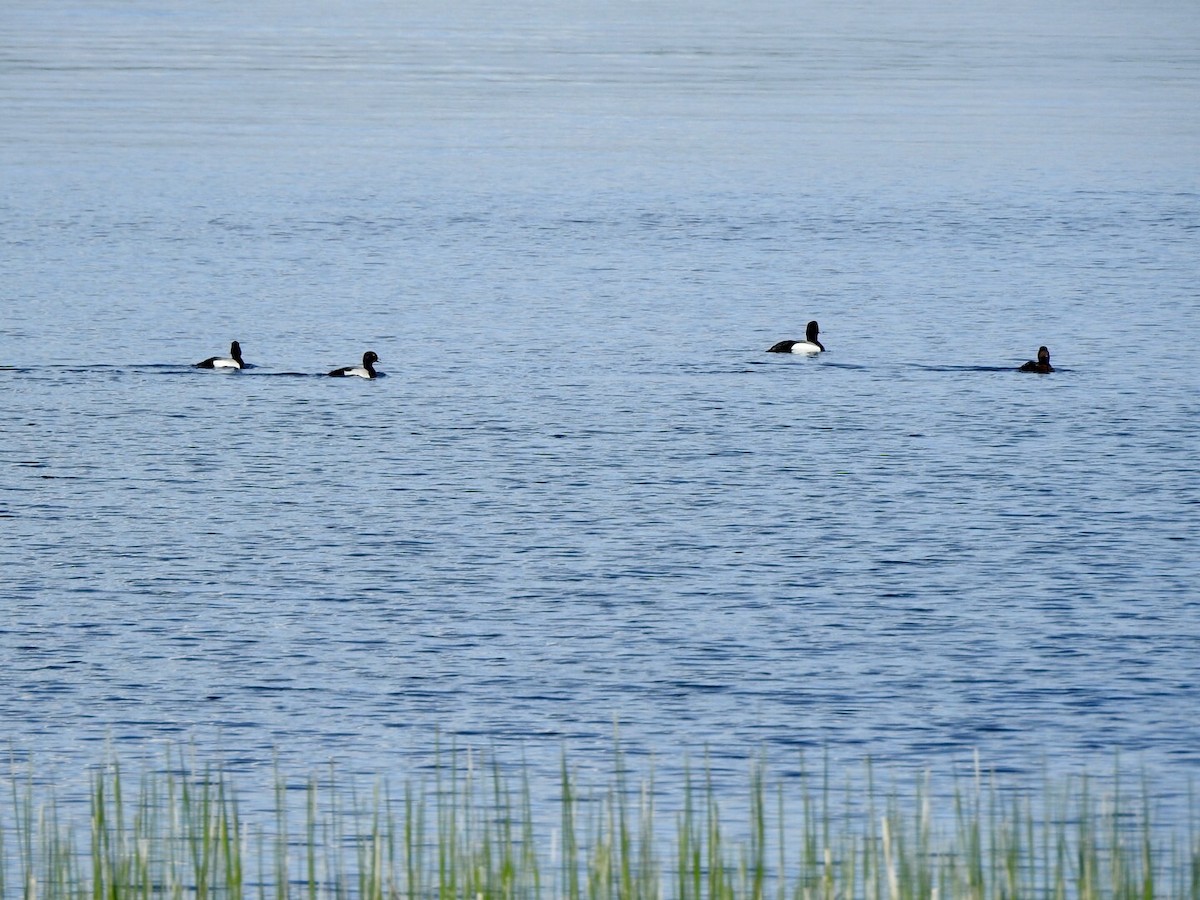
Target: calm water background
(584,498)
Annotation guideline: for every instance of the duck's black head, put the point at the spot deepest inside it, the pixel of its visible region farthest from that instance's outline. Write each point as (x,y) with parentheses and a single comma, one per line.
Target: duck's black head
(235,350)
(810,333)
(369,359)
(1043,356)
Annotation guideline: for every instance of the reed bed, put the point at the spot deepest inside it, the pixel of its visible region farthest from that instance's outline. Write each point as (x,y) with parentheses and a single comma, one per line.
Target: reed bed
(474,833)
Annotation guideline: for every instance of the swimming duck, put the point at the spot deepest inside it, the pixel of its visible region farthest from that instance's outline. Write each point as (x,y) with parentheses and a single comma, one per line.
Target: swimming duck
(810,344)
(1042,366)
(220,362)
(366,370)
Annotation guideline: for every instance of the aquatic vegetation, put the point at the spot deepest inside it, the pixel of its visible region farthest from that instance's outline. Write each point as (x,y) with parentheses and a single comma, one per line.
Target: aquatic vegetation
(474,833)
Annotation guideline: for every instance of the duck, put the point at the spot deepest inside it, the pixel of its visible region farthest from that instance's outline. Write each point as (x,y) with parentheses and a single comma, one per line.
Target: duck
(810,344)
(1042,366)
(220,362)
(366,370)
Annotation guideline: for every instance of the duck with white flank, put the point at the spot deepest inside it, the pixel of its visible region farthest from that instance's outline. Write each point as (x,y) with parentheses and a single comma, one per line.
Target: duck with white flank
(810,344)
(234,361)
(366,370)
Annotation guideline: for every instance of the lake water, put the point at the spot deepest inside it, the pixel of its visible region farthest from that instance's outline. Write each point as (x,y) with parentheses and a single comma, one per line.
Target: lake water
(584,500)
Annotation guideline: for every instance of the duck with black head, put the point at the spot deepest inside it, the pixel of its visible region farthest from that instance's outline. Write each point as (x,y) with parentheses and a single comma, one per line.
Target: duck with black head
(810,344)
(233,361)
(366,370)
(1042,366)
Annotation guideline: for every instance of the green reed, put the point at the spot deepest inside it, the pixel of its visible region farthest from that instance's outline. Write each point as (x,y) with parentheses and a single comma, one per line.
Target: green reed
(475,833)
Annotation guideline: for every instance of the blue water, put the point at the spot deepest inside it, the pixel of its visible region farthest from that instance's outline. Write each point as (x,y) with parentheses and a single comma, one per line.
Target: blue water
(583,501)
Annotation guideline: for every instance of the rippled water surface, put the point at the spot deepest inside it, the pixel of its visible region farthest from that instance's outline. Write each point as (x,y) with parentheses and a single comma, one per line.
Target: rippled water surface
(583,498)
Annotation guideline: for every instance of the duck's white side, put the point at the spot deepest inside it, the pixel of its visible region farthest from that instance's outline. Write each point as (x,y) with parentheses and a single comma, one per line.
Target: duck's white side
(806,347)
